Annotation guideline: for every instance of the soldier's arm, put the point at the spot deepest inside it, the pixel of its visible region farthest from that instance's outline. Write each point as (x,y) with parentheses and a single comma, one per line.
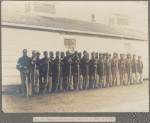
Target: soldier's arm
(19,65)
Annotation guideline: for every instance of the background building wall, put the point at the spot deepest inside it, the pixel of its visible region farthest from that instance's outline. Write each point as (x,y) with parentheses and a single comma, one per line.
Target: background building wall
(15,40)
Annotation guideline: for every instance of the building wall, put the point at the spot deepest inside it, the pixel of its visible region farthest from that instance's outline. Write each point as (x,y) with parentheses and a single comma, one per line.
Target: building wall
(15,40)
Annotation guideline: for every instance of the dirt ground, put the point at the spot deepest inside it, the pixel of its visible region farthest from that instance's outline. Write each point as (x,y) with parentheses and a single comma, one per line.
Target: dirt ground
(132,98)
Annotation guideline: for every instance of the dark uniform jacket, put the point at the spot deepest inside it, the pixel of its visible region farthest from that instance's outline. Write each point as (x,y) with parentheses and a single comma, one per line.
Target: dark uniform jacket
(114,64)
(140,66)
(107,66)
(134,65)
(33,62)
(67,64)
(51,67)
(76,62)
(128,66)
(24,63)
(93,66)
(44,64)
(84,65)
(100,67)
(121,64)
(58,67)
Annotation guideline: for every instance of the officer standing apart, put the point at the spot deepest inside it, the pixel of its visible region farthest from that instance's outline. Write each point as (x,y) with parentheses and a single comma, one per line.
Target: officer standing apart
(23,66)
(121,66)
(140,69)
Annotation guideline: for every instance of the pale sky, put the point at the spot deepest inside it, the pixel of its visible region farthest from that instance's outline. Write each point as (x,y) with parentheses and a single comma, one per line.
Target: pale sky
(137,11)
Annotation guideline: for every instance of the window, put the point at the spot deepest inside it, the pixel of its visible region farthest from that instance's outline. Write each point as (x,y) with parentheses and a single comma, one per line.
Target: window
(70,44)
(27,7)
(45,8)
(93,17)
(111,21)
(122,21)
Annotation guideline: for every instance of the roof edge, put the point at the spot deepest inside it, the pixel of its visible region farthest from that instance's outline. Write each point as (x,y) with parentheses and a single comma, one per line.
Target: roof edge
(14,25)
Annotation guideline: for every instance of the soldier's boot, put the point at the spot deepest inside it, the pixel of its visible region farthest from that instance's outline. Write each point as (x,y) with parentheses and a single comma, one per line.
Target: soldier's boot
(61,86)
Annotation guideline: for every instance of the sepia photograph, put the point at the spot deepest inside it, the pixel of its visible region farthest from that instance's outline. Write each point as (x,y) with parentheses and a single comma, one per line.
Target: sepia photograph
(74,56)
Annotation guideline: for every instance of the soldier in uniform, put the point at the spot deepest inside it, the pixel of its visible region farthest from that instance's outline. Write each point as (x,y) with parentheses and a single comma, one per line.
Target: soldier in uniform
(68,71)
(62,59)
(45,69)
(114,67)
(100,69)
(58,73)
(134,70)
(38,73)
(76,70)
(80,67)
(108,69)
(140,69)
(121,66)
(93,70)
(33,72)
(50,72)
(85,70)
(97,76)
(128,69)
(23,66)
(104,74)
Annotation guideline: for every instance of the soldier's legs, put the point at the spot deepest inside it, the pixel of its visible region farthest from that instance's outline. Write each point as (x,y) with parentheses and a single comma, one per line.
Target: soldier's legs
(61,83)
(87,82)
(49,84)
(75,82)
(101,81)
(141,78)
(23,83)
(92,81)
(37,81)
(66,83)
(80,82)
(45,82)
(84,79)
(31,85)
(71,82)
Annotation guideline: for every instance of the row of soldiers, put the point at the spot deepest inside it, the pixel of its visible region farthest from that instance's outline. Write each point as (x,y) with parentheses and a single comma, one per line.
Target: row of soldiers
(74,72)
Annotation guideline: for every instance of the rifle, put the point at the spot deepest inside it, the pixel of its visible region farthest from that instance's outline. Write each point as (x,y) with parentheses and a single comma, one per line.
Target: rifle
(47,76)
(70,70)
(34,73)
(95,73)
(130,72)
(78,74)
(58,75)
(109,73)
(87,74)
(27,85)
(103,72)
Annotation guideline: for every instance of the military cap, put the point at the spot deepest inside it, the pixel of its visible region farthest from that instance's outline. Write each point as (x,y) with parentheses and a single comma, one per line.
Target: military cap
(92,53)
(139,56)
(25,51)
(33,52)
(121,54)
(76,52)
(45,52)
(96,53)
(100,54)
(84,51)
(62,53)
(134,55)
(37,53)
(51,52)
(109,55)
(57,52)
(67,51)
(128,54)
(114,53)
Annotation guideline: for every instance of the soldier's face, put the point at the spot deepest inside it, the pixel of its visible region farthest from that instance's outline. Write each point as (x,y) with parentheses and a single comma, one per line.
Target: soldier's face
(45,54)
(24,54)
